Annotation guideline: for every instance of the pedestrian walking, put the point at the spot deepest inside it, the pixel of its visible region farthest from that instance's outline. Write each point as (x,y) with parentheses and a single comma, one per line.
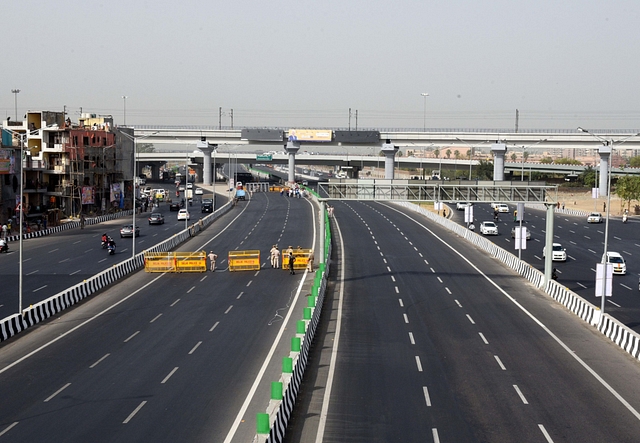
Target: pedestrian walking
(515,215)
(310,261)
(212,261)
(82,220)
(275,257)
(292,260)
(44,223)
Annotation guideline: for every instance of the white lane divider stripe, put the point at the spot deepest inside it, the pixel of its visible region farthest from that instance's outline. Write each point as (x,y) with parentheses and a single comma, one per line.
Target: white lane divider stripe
(135,411)
(401,304)
(174,303)
(470,319)
(427,399)
(214,326)
(131,336)
(500,362)
(169,375)
(544,432)
(406,319)
(98,362)
(483,339)
(418,363)
(8,428)
(57,392)
(195,347)
(411,339)
(156,317)
(524,400)
(228,309)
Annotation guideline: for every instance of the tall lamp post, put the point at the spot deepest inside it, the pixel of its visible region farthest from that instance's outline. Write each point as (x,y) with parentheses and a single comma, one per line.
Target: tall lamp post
(606,143)
(424,113)
(133,196)
(524,149)
(15,93)
(124,110)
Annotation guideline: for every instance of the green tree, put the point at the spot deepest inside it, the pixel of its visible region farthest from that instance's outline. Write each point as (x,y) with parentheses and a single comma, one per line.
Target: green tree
(546,160)
(448,153)
(436,153)
(514,157)
(456,154)
(525,155)
(628,189)
(484,170)
(567,161)
(634,162)
(588,177)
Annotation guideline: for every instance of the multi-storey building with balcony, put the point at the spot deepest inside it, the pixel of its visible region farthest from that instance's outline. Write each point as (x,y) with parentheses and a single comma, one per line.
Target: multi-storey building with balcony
(68,168)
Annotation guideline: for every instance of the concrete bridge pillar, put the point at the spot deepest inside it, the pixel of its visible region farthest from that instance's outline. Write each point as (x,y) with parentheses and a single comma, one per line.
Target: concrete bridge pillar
(389,152)
(499,151)
(291,148)
(605,158)
(206,148)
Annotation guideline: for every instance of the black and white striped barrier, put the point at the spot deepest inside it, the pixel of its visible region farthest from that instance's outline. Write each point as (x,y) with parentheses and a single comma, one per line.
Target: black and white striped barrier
(620,334)
(38,312)
(70,225)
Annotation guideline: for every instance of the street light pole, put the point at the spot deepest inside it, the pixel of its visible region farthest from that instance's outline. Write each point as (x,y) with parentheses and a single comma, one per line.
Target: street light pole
(610,144)
(124,110)
(20,206)
(15,93)
(424,113)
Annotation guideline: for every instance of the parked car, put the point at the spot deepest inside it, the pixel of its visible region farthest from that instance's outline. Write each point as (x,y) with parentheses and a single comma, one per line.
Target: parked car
(527,232)
(488,228)
(559,253)
(127,231)
(594,217)
(199,191)
(156,218)
(183,214)
(619,265)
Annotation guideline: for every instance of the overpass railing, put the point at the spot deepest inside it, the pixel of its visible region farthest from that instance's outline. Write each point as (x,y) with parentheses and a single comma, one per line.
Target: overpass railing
(402,190)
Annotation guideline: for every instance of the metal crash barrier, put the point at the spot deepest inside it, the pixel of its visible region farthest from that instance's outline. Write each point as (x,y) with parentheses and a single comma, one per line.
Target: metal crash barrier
(302,258)
(175,261)
(244,260)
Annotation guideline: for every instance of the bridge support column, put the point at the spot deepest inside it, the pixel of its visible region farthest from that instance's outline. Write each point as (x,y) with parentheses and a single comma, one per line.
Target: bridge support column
(389,152)
(206,149)
(499,151)
(291,148)
(605,158)
(155,171)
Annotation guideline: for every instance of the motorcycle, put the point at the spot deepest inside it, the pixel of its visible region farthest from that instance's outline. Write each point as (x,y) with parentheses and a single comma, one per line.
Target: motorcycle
(624,218)
(111,247)
(4,247)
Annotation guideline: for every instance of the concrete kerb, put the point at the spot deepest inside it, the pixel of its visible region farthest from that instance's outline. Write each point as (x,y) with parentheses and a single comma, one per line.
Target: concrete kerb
(620,334)
(40,311)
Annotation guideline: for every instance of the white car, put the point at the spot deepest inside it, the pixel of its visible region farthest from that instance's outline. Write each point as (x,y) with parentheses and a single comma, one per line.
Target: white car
(488,228)
(183,214)
(502,207)
(559,253)
(461,205)
(619,266)
(199,191)
(594,217)
(189,185)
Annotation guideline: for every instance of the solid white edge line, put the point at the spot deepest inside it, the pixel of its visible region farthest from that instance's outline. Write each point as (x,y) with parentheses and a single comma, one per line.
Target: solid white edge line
(254,387)
(334,350)
(562,344)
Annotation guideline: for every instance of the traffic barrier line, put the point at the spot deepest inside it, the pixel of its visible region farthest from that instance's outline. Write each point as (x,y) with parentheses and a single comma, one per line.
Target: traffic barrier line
(51,306)
(625,337)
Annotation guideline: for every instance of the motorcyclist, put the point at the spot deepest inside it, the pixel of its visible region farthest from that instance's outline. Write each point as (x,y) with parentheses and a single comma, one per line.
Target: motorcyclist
(625,216)
(554,274)
(3,245)
(111,245)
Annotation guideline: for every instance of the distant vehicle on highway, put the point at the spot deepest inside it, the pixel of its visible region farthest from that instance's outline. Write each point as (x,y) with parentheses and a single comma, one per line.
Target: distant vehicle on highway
(183,214)
(206,205)
(461,205)
(527,232)
(127,231)
(559,253)
(305,182)
(594,217)
(501,207)
(175,206)
(619,265)
(488,228)
(199,191)
(156,218)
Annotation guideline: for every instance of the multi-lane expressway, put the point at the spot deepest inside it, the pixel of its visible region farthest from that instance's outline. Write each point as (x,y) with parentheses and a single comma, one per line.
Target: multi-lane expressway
(424,338)
(584,243)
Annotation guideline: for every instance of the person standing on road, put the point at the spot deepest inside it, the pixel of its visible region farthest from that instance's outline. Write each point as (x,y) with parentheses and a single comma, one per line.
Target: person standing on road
(82,221)
(310,261)
(212,261)
(292,260)
(275,257)
(4,231)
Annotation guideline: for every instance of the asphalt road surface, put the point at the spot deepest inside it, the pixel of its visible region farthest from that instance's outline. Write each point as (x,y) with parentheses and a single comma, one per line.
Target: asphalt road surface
(438,342)
(165,357)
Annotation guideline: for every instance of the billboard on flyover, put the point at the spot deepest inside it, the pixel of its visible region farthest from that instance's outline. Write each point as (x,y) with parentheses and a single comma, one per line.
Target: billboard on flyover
(309,135)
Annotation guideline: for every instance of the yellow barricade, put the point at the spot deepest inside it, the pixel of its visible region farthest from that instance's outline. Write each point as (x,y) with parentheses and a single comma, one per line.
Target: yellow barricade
(175,261)
(302,258)
(244,260)
(191,261)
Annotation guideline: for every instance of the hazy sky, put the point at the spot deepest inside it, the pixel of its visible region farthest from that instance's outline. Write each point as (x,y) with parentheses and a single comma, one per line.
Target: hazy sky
(304,63)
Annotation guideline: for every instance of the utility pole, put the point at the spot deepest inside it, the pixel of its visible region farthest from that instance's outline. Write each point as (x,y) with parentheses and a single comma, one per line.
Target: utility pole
(517,118)
(231,118)
(15,93)
(220,117)
(356,119)
(349,119)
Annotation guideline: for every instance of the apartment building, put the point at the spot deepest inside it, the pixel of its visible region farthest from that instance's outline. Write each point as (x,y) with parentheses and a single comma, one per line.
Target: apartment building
(68,168)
